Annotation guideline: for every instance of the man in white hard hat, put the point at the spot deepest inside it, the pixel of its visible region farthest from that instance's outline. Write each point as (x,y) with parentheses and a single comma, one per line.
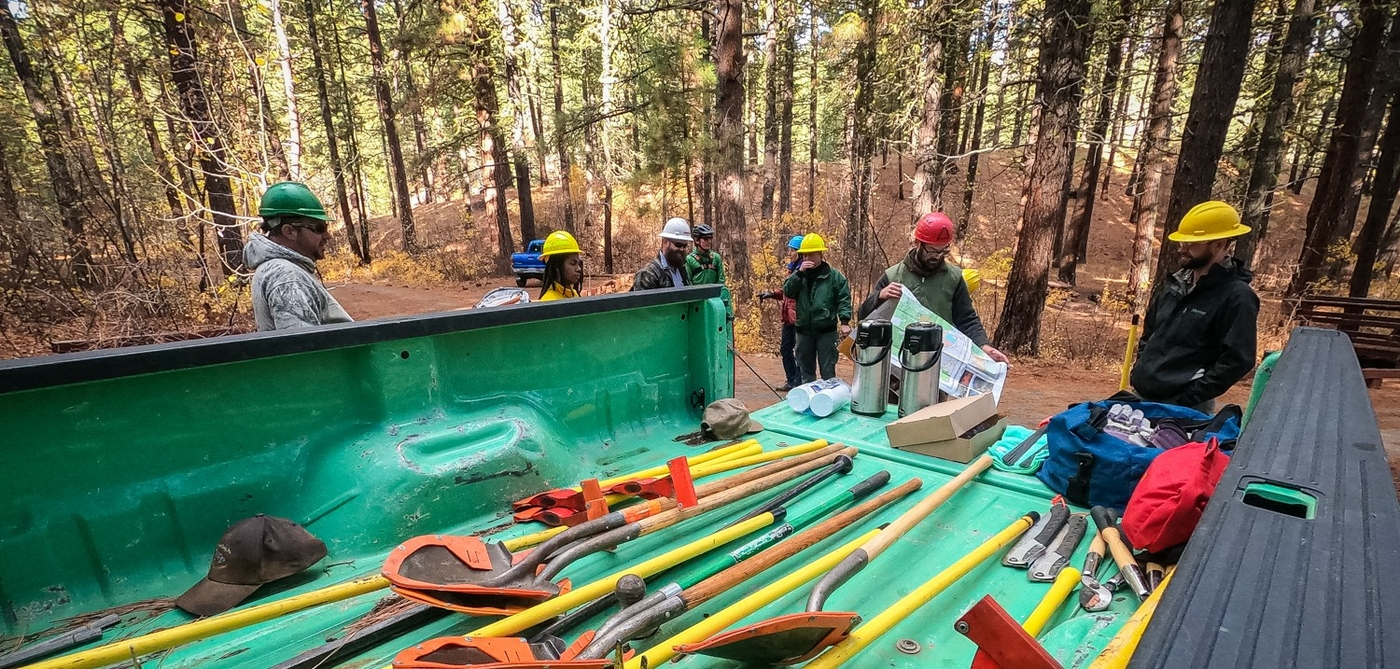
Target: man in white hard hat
(668,269)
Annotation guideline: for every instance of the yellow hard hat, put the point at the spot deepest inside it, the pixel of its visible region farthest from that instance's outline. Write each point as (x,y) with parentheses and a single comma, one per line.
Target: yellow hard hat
(559,242)
(812,243)
(973,279)
(1209,221)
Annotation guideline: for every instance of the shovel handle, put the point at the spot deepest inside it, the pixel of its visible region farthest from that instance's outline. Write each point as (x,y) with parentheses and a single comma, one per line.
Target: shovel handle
(926,506)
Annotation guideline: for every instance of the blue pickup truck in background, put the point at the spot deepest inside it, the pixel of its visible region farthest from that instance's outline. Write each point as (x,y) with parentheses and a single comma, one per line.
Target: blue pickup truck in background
(527,264)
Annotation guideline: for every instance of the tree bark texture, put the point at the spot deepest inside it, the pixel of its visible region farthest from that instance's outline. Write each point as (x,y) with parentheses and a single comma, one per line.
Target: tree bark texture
(787,60)
(928,164)
(1148,201)
(1368,241)
(1340,179)
(496,164)
(771,132)
(1212,106)
(284,60)
(560,145)
(1063,49)
(387,116)
(520,109)
(860,138)
(729,133)
(812,129)
(984,55)
(1076,244)
(342,195)
(1263,174)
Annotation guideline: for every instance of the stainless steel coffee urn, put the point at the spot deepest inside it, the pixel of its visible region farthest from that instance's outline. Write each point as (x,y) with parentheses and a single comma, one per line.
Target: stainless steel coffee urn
(874,338)
(920,357)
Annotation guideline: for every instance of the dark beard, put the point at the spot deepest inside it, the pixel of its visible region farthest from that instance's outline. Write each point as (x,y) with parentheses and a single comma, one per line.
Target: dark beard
(1195,263)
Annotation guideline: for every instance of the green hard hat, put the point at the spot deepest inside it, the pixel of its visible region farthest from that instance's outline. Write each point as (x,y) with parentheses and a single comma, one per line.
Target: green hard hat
(291,198)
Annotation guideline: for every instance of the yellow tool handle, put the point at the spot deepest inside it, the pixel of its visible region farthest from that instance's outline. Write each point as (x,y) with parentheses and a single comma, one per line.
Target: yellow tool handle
(1120,650)
(716,623)
(926,506)
(1059,590)
(748,446)
(1129,354)
(732,463)
(877,627)
(582,595)
(125,650)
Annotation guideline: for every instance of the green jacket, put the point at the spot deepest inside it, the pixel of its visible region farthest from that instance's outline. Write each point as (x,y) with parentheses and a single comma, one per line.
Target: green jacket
(823,298)
(704,267)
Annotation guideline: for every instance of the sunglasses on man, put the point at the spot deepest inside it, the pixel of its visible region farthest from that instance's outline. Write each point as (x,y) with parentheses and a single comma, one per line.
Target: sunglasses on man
(318,227)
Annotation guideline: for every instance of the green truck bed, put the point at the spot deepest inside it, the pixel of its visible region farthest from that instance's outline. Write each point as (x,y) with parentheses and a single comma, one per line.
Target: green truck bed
(121,469)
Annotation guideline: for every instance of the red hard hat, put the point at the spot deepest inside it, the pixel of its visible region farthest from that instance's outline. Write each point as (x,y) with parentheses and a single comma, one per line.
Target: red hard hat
(934,228)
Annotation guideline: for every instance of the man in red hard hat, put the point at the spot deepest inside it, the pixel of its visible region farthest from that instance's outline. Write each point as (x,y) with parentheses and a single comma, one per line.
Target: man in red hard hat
(937,283)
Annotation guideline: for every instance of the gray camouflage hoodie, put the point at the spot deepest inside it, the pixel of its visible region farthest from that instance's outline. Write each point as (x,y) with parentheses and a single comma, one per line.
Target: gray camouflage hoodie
(287,293)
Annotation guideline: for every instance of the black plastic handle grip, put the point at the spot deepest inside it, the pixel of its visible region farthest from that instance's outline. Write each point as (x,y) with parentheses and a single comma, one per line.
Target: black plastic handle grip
(1101,517)
(870,485)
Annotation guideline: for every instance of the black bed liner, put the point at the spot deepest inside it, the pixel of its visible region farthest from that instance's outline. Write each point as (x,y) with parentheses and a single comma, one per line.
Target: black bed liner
(1262,587)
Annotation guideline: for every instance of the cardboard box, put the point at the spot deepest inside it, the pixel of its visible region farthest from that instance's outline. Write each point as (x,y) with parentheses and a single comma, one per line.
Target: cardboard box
(942,421)
(966,446)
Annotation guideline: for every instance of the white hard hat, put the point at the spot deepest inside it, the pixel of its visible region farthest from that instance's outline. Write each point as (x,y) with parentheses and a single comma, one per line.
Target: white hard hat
(676,230)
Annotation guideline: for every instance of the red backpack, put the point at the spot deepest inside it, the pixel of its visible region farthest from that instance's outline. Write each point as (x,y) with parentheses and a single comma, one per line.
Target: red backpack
(1169,500)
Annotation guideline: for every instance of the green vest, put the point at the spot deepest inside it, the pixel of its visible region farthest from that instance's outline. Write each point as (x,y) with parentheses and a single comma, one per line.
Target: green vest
(934,292)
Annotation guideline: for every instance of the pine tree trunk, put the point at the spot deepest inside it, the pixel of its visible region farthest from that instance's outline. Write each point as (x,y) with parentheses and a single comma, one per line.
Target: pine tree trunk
(496,164)
(955,46)
(560,145)
(1063,50)
(814,132)
(414,104)
(520,109)
(606,79)
(397,172)
(284,57)
(1125,86)
(1154,156)
(1076,245)
(928,163)
(148,127)
(787,59)
(860,139)
(342,197)
(984,55)
(60,175)
(353,156)
(729,134)
(1368,241)
(1314,142)
(1263,175)
(204,131)
(771,131)
(1339,180)
(1212,106)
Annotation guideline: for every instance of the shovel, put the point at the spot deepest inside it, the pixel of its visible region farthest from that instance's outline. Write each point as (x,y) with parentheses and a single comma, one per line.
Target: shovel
(866,634)
(800,636)
(721,574)
(464,574)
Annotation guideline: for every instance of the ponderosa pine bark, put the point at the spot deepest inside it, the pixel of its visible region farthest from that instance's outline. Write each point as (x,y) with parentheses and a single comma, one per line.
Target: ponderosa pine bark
(1148,201)
(388,117)
(729,134)
(1368,242)
(342,196)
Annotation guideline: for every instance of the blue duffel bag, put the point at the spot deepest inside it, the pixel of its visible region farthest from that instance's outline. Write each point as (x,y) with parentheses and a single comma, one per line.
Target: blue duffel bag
(1091,467)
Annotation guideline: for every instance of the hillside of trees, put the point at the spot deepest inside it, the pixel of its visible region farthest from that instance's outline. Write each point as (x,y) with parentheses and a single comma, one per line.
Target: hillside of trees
(135,138)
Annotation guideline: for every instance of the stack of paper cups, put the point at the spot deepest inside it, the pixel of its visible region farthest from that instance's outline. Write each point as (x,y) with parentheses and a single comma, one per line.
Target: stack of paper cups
(820,398)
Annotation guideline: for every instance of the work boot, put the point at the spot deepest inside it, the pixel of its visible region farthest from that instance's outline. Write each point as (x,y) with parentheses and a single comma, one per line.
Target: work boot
(784,388)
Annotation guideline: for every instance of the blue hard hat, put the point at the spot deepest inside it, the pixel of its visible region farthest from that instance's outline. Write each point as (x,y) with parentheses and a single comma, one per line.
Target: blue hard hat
(795,243)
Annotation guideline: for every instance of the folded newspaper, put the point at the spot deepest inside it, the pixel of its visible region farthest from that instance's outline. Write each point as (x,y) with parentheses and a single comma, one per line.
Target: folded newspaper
(967,369)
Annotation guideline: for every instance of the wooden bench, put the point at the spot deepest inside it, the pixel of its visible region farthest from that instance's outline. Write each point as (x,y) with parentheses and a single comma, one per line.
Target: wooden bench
(1372,325)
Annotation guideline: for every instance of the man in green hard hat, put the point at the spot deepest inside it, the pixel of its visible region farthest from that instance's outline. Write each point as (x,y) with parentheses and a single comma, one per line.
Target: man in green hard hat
(287,289)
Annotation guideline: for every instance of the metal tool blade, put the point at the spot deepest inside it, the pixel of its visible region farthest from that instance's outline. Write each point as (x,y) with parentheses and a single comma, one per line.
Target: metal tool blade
(1037,540)
(1048,566)
(1099,598)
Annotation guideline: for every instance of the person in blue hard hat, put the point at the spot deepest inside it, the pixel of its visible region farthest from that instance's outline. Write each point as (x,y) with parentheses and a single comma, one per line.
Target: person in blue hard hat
(788,345)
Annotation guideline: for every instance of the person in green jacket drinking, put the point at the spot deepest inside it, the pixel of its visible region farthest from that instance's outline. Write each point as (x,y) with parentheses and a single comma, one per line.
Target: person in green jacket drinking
(823,309)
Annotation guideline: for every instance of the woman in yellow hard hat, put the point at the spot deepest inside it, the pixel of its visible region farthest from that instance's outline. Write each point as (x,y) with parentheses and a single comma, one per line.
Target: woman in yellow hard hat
(563,267)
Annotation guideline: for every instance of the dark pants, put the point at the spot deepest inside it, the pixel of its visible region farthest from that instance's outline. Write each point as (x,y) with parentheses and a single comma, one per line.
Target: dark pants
(788,348)
(816,350)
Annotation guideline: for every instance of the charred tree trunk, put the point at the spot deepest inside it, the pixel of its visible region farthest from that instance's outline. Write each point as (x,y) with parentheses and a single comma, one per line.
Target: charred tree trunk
(204,131)
(1076,245)
(1263,175)
(342,196)
(1212,106)
(65,189)
(1368,241)
(729,133)
(1063,49)
(1339,181)
(397,172)
(1154,157)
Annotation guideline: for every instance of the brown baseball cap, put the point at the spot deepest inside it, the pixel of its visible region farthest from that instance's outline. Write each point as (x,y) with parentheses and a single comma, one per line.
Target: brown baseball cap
(728,419)
(254,551)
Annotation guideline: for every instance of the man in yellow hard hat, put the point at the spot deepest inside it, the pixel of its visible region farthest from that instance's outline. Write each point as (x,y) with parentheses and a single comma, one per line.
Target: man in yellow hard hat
(1200,333)
(823,306)
(287,290)
(563,267)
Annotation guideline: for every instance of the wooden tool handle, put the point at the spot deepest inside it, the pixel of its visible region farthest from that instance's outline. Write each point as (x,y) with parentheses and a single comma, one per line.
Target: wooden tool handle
(1109,531)
(824,454)
(926,506)
(710,587)
(719,499)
